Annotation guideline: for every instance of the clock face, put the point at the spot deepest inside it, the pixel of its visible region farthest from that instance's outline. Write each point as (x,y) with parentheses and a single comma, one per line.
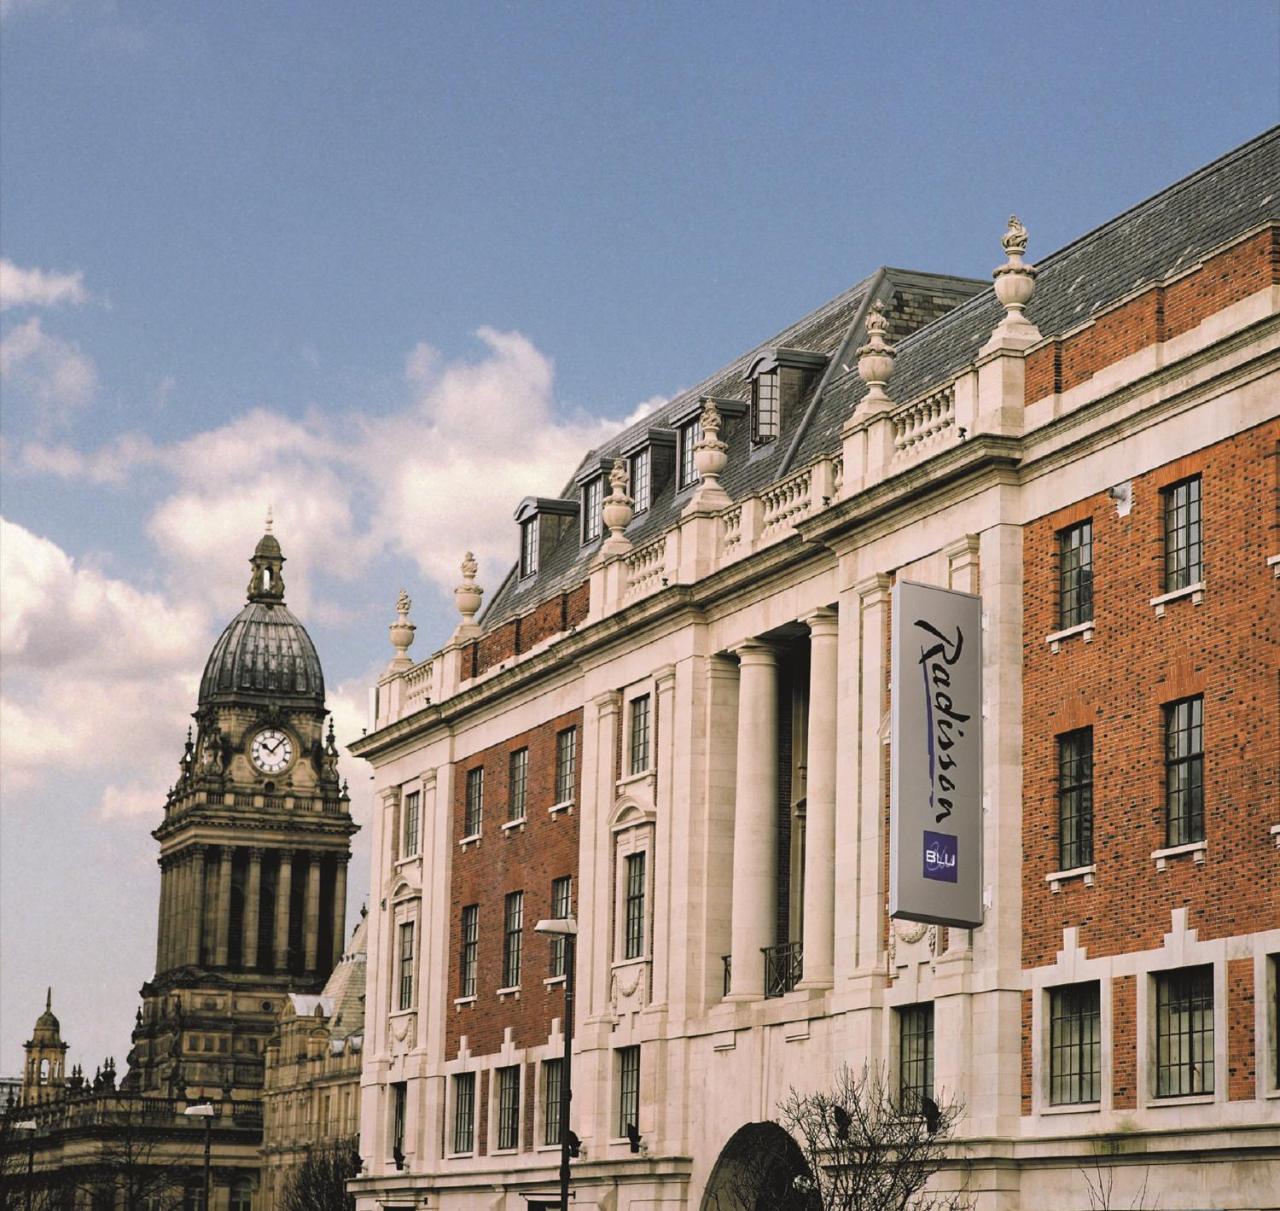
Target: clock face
(271,751)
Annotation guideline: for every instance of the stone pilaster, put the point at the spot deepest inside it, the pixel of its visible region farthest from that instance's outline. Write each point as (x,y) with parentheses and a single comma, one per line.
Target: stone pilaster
(284,892)
(222,913)
(820,803)
(755,842)
(595,890)
(340,905)
(873,601)
(199,892)
(311,913)
(252,901)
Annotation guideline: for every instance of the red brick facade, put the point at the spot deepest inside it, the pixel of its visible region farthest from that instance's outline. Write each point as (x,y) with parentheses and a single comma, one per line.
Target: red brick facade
(516,635)
(1224,648)
(524,858)
(1241,1067)
(1157,314)
(1124,1043)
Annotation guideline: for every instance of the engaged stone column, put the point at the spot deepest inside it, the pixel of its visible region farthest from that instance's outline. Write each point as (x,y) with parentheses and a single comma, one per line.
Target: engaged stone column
(820,804)
(284,891)
(199,890)
(253,895)
(311,912)
(339,908)
(162,921)
(755,828)
(222,929)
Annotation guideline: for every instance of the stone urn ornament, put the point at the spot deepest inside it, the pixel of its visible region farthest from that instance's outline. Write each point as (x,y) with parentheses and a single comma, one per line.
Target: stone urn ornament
(402,632)
(617,511)
(468,595)
(875,359)
(1015,280)
(710,454)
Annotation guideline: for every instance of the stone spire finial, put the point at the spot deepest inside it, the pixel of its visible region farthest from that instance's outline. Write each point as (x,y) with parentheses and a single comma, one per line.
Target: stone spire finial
(875,359)
(1015,284)
(269,518)
(48,998)
(401,632)
(468,594)
(617,511)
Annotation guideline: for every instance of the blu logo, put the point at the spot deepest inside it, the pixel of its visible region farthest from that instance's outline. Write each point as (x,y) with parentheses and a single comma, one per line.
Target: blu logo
(941,856)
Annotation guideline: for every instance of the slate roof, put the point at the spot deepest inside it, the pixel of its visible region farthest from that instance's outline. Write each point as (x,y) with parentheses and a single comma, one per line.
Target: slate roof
(1148,243)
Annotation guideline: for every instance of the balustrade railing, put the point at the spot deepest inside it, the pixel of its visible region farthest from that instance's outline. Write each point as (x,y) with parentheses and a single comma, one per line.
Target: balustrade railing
(644,567)
(920,423)
(783,967)
(787,502)
(417,686)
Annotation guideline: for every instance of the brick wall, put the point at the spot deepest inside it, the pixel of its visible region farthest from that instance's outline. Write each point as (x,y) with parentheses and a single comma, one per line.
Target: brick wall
(1124,1043)
(1028,1002)
(1225,648)
(521,859)
(1240,1036)
(516,635)
(1157,314)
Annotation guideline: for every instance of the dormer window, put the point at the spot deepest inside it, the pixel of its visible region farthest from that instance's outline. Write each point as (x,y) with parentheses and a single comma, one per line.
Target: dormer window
(529,547)
(592,497)
(641,478)
(765,411)
(690,436)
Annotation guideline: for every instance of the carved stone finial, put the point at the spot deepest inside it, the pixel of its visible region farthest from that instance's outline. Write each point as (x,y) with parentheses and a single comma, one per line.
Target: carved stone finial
(1015,284)
(468,595)
(710,455)
(269,519)
(401,632)
(875,359)
(616,511)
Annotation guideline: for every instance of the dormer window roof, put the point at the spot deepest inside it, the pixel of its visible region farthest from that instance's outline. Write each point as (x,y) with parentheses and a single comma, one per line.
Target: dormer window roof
(542,520)
(591,480)
(778,377)
(650,456)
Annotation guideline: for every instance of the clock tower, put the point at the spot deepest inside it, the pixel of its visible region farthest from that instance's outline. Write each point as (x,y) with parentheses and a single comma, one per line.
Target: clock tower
(254,848)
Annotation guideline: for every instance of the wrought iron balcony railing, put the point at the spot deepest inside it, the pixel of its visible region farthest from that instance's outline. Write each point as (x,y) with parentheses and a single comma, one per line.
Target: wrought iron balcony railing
(783,967)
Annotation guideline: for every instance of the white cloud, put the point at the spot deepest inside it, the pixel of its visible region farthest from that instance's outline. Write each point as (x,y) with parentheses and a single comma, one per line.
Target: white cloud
(51,371)
(35,287)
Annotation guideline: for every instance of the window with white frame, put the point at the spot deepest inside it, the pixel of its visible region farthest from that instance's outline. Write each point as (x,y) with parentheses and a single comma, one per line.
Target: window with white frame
(592,498)
(561,907)
(1183,541)
(765,411)
(405,999)
(468,950)
(1075,575)
(915,1056)
(634,907)
(1184,770)
(1075,1044)
(552,1072)
(638,748)
(690,436)
(1075,799)
(1184,1031)
(512,938)
(518,785)
(509,1107)
(464,1112)
(474,815)
(628,1089)
(529,546)
(399,1102)
(412,810)
(566,764)
(641,479)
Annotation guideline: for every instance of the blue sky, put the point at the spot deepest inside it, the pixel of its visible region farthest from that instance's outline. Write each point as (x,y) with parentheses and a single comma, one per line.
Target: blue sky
(392,266)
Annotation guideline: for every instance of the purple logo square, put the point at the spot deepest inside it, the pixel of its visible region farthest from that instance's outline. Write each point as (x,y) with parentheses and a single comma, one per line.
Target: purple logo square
(941,856)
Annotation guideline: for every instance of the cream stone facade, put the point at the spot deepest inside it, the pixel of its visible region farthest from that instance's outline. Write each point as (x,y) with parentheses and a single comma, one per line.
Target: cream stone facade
(731,667)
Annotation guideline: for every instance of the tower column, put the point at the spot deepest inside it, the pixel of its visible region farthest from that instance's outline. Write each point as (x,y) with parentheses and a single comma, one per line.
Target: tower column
(311,912)
(162,917)
(755,829)
(820,803)
(253,894)
(222,917)
(199,891)
(339,907)
(284,889)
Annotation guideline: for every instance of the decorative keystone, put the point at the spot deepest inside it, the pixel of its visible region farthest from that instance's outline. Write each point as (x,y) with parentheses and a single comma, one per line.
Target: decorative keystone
(401,632)
(875,359)
(617,511)
(468,594)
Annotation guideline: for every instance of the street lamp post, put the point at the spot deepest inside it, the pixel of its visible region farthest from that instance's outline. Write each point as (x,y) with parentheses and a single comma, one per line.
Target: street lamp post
(29,1126)
(566,928)
(205,1111)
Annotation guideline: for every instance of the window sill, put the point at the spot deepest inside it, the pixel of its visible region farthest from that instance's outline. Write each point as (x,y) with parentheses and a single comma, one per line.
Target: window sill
(459,1156)
(408,860)
(1084,629)
(460,1001)
(642,776)
(1197,849)
(503,1151)
(474,839)
(1073,1108)
(1194,591)
(553,981)
(1059,877)
(556,808)
(514,990)
(515,824)
(1186,1099)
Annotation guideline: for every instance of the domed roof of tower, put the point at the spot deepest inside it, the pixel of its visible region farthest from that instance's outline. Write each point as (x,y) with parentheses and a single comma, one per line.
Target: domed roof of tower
(264,649)
(48,1029)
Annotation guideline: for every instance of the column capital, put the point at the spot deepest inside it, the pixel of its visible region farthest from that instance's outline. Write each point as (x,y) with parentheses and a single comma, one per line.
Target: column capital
(755,651)
(825,621)
(390,797)
(198,850)
(257,852)
(427,779)
(665,677)
(873,590)
(342,858)
(608,703)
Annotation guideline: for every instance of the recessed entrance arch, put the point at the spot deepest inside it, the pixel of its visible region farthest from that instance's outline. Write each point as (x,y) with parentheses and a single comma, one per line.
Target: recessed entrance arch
(757,1170)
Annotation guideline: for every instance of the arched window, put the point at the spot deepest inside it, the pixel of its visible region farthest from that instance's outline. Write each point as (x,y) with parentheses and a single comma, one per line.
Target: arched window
(242,1195)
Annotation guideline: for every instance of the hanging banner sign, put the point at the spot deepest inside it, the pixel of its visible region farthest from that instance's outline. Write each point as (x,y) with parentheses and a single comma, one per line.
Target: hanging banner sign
(935,820)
